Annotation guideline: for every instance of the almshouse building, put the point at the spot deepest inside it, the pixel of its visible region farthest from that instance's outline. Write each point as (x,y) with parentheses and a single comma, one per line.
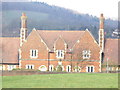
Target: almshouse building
(44,50)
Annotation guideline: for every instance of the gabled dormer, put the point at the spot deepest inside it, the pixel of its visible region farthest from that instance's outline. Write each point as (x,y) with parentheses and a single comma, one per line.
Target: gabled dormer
(34,47)
(60,44)
(86,47)
(60,47)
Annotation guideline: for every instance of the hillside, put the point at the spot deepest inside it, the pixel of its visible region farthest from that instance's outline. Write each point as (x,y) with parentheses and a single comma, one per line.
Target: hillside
(45,17)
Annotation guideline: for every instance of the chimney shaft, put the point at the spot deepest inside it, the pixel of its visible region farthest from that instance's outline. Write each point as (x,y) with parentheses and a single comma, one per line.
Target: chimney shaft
(23,30)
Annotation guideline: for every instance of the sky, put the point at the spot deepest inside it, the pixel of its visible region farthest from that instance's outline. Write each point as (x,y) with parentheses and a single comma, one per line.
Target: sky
(93,7)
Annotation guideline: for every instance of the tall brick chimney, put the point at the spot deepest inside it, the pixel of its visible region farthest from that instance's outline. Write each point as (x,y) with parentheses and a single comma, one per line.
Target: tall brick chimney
(23,30)
(101,33)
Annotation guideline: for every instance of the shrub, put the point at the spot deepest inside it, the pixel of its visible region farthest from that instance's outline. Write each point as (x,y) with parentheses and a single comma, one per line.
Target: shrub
(59,68)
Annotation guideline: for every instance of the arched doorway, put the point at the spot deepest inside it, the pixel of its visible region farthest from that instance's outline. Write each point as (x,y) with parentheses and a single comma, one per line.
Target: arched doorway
(43,68)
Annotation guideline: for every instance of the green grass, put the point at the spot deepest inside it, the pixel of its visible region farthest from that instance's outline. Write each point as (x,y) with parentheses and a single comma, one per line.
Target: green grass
(78,80)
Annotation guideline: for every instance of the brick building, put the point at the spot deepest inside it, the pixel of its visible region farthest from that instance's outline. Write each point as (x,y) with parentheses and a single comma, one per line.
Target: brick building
(70,51)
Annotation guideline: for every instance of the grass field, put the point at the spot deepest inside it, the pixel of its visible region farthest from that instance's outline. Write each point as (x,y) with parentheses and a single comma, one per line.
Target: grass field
(76,80)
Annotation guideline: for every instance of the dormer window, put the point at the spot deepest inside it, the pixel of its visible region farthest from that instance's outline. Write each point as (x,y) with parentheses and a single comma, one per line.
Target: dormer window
(60,53)
(86,54)
(33,53)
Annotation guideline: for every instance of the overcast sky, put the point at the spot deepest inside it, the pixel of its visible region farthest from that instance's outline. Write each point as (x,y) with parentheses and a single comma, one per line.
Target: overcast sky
(93,7)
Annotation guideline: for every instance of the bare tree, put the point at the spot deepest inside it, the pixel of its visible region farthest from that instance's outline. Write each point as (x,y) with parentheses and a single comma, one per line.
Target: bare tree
(78,60)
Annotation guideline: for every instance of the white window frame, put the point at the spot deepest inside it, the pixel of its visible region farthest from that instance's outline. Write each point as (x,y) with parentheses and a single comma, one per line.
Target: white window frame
(33,53)
(69,68)
(29,65)
(90,68)
(11,67)
(86,54)
(60,54)
(1,67)
(117,69)
(51,68)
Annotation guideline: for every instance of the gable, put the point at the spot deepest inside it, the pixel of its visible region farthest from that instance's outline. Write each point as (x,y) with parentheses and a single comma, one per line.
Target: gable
(59,44)
(87,42)
(88,39)
(33,41)
(70,37)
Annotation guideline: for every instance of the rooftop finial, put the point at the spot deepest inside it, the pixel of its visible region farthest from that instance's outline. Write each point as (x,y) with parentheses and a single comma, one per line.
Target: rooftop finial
(34,28)
(86,28)
(23,14)
(101,15)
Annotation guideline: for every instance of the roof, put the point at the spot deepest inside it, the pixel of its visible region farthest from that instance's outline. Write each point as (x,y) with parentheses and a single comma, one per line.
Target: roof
(70,37)
(9,47)
(111,51)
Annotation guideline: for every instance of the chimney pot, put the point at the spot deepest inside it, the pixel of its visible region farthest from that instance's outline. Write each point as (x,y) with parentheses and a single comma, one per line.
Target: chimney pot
(101,15)
(23,14)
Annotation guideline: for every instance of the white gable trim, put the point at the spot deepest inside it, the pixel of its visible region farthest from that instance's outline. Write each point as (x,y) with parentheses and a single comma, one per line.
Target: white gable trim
(77,41)
(57,40)
(92,37)
(42,40)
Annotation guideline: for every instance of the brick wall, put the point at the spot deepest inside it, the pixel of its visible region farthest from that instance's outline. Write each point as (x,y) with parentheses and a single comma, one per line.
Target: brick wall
(86,42)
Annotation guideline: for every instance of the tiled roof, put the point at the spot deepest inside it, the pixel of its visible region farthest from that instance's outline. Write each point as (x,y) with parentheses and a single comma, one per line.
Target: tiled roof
(111,51)
(9,47)
(70,37)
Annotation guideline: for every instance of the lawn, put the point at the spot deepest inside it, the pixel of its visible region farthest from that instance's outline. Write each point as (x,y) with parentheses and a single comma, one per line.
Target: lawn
(76,80)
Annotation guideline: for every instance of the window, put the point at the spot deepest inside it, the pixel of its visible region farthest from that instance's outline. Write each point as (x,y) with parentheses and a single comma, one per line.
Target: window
(68,68)
(0,67)
(34,53)
(43,68)
(86,54)
(51,68)
(90,69)
(3,67)
(60,54)
(29,66)
(11,67)
(117,69)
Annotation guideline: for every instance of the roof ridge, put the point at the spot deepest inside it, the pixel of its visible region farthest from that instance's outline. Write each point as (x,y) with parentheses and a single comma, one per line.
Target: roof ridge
(62,30)
(9,37)
(112,39)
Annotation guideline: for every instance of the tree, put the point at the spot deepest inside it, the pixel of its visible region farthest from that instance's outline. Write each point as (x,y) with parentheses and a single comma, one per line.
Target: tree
(78,60)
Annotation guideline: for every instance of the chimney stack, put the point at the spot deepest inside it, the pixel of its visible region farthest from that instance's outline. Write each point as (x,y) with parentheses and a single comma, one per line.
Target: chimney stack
(101,33)
(23,30)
